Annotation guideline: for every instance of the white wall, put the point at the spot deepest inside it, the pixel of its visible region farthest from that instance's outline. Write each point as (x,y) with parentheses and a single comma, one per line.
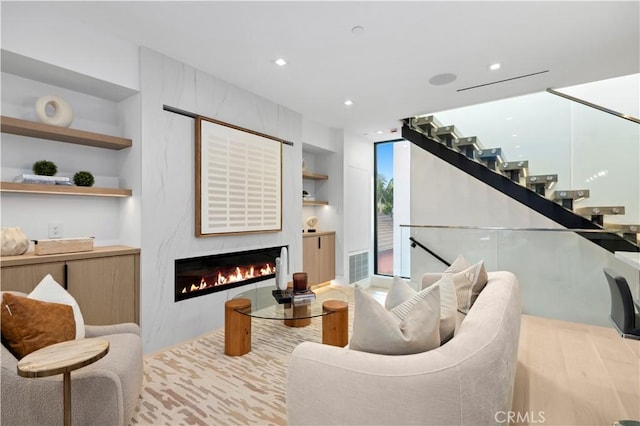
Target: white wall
(40,32)
(358,197)
(168,218)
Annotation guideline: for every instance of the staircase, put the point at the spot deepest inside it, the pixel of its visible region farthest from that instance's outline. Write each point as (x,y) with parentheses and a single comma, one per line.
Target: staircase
(513,179)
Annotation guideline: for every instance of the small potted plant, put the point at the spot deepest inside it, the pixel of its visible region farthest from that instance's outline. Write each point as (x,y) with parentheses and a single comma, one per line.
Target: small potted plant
(83,178)
(44,168)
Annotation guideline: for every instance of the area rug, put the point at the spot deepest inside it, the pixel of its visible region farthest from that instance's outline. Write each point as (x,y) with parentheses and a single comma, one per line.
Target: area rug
(195,383)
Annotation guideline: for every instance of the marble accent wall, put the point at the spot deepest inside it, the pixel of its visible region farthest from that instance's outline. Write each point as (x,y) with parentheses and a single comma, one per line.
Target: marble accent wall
(168,218)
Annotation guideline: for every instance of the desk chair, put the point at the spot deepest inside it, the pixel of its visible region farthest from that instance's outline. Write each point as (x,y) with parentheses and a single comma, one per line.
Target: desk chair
(623,315)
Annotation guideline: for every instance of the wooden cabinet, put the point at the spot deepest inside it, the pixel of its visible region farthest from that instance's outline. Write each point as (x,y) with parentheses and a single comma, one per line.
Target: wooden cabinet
(319,256)
(105,282)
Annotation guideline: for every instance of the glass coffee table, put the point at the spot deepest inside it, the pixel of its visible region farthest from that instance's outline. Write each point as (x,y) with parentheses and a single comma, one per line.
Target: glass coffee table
(330,303)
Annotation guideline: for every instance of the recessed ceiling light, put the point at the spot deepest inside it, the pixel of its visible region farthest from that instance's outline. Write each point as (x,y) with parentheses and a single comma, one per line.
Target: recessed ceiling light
(514,135)
(379,132)
(495,66)
(348,102)
(280,62)
(509,118)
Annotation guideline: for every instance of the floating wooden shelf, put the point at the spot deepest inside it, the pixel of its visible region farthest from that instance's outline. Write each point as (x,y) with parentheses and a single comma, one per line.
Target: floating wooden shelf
(34,188)
(314,176)
(314,203)
(16,126)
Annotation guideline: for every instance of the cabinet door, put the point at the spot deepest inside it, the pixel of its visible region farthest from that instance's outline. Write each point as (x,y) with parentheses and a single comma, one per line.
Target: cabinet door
(327,258)
(309,259)
(319,258)
(104,288)
(25,278)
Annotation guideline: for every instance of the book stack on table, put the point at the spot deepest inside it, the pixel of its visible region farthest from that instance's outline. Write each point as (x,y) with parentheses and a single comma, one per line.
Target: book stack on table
(301,296)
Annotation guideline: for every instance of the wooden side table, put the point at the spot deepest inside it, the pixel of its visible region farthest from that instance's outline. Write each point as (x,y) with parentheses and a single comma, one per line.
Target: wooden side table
(335,325)
(237,327)
(63,358)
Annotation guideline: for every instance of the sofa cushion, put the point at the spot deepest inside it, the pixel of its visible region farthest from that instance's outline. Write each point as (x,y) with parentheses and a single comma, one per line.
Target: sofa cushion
(468,284)
(401,291)
(411,327)
(458,265)
(29,324)
(48,290)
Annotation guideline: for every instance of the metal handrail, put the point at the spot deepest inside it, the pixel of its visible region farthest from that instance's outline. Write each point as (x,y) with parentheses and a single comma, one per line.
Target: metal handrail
(415,242)
(500,228)
(596,106)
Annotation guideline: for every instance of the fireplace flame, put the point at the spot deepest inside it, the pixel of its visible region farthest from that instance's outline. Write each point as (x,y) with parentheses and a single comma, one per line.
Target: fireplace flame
(237,274)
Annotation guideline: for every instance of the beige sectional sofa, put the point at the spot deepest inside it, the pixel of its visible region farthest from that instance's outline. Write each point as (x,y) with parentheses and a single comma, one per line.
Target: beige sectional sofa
(467,381)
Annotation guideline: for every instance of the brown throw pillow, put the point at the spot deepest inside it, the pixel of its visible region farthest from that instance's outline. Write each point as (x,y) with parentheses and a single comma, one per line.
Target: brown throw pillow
(28,325)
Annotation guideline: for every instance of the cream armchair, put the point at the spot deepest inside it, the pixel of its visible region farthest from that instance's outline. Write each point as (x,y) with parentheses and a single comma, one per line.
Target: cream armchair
(103,393)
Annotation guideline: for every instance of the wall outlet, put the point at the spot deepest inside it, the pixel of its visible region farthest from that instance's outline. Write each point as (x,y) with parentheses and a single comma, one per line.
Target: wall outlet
(55,230)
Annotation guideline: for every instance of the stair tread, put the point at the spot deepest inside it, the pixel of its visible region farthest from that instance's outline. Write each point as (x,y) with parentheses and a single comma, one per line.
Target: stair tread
(515,165)
(468,141)
(594,210)
(569,194)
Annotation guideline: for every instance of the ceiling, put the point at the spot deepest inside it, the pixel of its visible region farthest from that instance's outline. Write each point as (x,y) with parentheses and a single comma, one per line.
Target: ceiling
(385,68)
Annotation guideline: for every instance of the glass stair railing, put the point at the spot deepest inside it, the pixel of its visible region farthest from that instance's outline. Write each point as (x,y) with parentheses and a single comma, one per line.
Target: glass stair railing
(584,138)
(559,271)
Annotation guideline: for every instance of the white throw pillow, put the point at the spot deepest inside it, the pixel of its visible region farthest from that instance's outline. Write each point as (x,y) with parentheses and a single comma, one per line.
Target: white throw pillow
(458,265)
(468,284)
(400,291)
(50,291)
(448,305)
(411,327)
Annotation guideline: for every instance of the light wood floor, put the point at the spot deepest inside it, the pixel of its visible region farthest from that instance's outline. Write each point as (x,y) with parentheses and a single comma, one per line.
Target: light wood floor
(575,374)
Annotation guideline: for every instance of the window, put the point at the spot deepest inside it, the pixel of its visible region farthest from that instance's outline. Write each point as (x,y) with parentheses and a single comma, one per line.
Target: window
(384,226)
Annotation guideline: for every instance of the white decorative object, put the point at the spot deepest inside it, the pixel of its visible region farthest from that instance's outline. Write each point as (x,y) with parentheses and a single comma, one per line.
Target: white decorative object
(284,266)
(62,112)
(49,290)
(312,221)
(14,241)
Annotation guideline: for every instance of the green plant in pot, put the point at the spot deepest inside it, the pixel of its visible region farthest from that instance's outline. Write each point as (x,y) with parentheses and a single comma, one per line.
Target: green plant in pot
(83,178)
(44,168)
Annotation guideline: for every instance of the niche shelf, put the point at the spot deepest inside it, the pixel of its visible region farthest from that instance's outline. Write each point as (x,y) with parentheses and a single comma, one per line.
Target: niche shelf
(314,176)
(314,203)
(16,126)
(33,129)
(32,188)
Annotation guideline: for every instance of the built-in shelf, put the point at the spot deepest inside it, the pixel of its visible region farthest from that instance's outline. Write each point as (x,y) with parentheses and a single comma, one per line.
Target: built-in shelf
(34,188)
(314,203)
(16,126)
(314,176)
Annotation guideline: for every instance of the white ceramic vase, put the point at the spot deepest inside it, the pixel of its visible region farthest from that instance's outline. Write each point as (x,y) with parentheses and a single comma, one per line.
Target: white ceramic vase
(14,241)
(281,279)
(62,112)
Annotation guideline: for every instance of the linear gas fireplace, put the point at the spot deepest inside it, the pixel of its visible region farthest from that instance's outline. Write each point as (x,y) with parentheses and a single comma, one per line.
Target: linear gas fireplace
(197,276)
